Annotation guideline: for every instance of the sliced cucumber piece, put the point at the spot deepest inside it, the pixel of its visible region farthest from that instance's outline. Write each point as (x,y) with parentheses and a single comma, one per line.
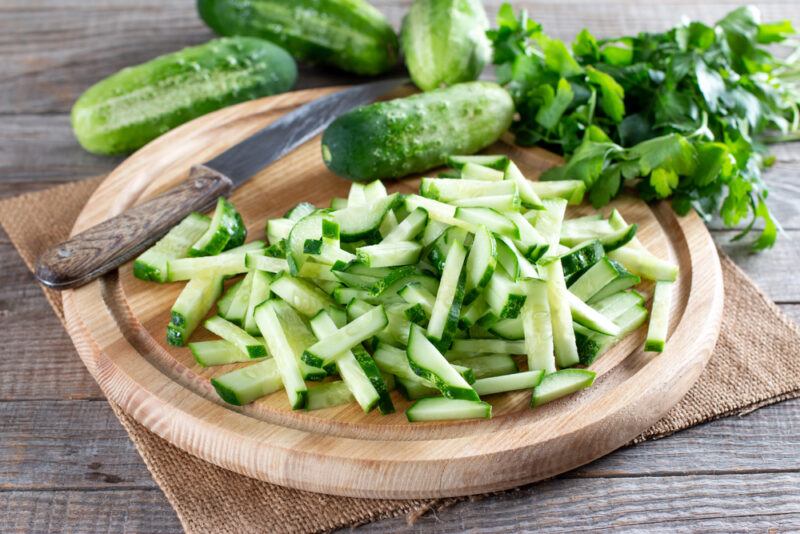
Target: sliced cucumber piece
(223,265)
(437,252)
(497,162)
(325,351)
(561,316)
(217,352)
(538,327)
(432,230)
(548,222)
(488,365)
(232,333)
(610,240)
(259,262)
(414,389)
(581,257)
(584,314)
(531,243)
(495,221)
(473,171)
(344,295)
(299,336)
(245,385)
(299,211)
(410,228)
(309,227)
(473,312)
(238,307)
(152,264)
(659,317)
(360,222)
(225,302)
(440,409)
(527,193)
(326,251)
(328,395)
(508,329)
(437,211)
(284,357)
(357,195)
(603,279)
(259,292)
(447,306)
(301,295)
(415,293)
(428,362)
(391,254)
(466,348)
(194,302)
(383,384)
(644,264)
(319,273)
(501,203)
(278,229)
(446,190)
(392,360)
(226,230)
(614,305)
(505,383)
(570,190)
(516,261)
(504,296)
(561,383)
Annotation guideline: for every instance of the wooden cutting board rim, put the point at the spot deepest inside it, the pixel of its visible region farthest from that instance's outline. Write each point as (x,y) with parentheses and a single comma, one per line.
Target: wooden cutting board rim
(342,465)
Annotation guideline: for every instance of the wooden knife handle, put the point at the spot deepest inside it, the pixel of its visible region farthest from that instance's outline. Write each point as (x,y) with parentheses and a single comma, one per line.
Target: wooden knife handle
(111,243)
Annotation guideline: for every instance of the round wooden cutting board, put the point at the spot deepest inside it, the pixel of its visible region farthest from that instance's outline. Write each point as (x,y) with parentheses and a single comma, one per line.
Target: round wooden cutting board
(118,324)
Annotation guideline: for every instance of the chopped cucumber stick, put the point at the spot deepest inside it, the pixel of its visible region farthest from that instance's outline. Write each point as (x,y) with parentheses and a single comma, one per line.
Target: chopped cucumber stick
(472,347)
(237,310)
(259,292)
(447,306)
(245,385)
(440,409)
(644,264)
(427,362)
(394,361)
(232,333)
(415,294)
(447,190)
(152,264)
(538,328)
(604,278)
(416,388)
(224,265)
(659,317)
(391,254)
(361,222)
(473,171)
(493,220)
(194,302)
(326,350)
(584,314)
(328,395)
(561,316)
(481,263)
(560,384)
(527,193)
(269,264)
(284,357)
(411,227)
(512,382)
(217,352)
(303,296)
(488,365)
(226,231)
(570,190)
(225,301)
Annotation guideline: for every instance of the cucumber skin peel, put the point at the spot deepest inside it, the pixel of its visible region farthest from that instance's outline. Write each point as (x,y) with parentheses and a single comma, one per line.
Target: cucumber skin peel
(407,135)
(134,106)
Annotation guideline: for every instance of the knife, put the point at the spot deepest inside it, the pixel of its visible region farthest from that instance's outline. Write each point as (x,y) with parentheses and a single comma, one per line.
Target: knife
(111,243)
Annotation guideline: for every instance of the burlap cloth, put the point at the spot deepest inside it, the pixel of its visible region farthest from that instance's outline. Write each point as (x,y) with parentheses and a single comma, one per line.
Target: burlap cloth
(756,362)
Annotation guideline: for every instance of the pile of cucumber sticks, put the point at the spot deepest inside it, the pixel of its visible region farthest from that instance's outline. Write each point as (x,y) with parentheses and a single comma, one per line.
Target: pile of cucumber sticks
(476,286)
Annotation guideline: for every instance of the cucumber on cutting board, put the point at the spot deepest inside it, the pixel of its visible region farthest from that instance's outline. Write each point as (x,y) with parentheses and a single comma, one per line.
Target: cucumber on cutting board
(194,302)
(134,106)
(245,385)
(441,409)
(349,34)
(226,231)
(152,264)
(444,42)
(561,383)
(413,134)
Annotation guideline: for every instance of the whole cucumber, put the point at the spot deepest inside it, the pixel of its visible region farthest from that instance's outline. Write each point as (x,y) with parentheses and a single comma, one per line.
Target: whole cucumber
(134,106)
(413,134)
(349,34)
(444,42)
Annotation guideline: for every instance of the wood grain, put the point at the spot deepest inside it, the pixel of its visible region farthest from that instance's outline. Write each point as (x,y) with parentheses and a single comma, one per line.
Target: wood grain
(117,325)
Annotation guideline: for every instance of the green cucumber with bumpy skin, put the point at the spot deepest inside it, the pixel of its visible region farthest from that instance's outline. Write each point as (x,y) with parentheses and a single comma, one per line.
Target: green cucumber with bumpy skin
(349,34)
(413,134)
(444,42)
(134,106)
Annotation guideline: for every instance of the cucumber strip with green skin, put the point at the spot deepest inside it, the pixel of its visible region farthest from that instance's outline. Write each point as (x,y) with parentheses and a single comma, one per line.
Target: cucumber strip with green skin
(505,383)
(511,329)
(299,336)
(217,352)
(472,347)
(389,286)
(241,339)
(560,384)
(531,243)
(438,212)
(224,303)
(275,337)
(328,395)
(592,345)
(527,193)
(259,262)
(447,190)
(538,328)
(226,230)
(309,227)
(382,384)
(437,251)
(237,311)
(393,138)
(259,292)
(414,389)
(495,221)
(394,361)
(445,409)
(584,314)
(581,257)
(644,264)
(659,317)
(128,109)
(447,306)
(351,372)
(561,316)
(617,222)
(432,230)
(325,351)
(603,279)
(427,362)
(572,191)
(410,228)
(548,222)
(250,383)
(473,171)
(152,264)
(501,203)
(481,263)
(374,192)
(524,268)
(613,305)
(299,211)
(224,265)
(416,314)
(349,34)
(414,293)
(362,222)
(473,312)
(392,254)
(488,365)
(254,247)
(301,295)
(326,252)
(504,296)
(610,241)
(278,229)
(319,272)
(497,162)
(194,302)
(344,295)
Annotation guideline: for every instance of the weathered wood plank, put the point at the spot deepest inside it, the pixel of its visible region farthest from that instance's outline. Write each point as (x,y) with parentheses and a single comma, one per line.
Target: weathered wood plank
(87,512)
(728,503)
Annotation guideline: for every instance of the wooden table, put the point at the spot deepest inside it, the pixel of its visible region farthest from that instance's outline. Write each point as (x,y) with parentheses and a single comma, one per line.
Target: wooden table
(67,465)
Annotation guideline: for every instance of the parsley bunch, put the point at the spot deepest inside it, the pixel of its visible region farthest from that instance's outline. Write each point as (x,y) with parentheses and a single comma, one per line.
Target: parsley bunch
(684,114)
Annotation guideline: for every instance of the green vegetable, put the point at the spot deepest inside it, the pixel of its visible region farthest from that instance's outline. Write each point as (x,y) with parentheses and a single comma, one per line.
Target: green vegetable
(349,34)
(134,106)
(682,114)
(413,134)
(444,42)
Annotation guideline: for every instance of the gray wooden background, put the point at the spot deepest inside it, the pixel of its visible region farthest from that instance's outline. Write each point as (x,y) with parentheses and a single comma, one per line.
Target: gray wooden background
(66,465)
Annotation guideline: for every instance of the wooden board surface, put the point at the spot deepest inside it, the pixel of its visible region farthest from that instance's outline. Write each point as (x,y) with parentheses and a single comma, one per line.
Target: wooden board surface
(118,327)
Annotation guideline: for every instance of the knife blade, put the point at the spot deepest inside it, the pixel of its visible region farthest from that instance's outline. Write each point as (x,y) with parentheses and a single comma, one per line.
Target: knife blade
(107,245)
